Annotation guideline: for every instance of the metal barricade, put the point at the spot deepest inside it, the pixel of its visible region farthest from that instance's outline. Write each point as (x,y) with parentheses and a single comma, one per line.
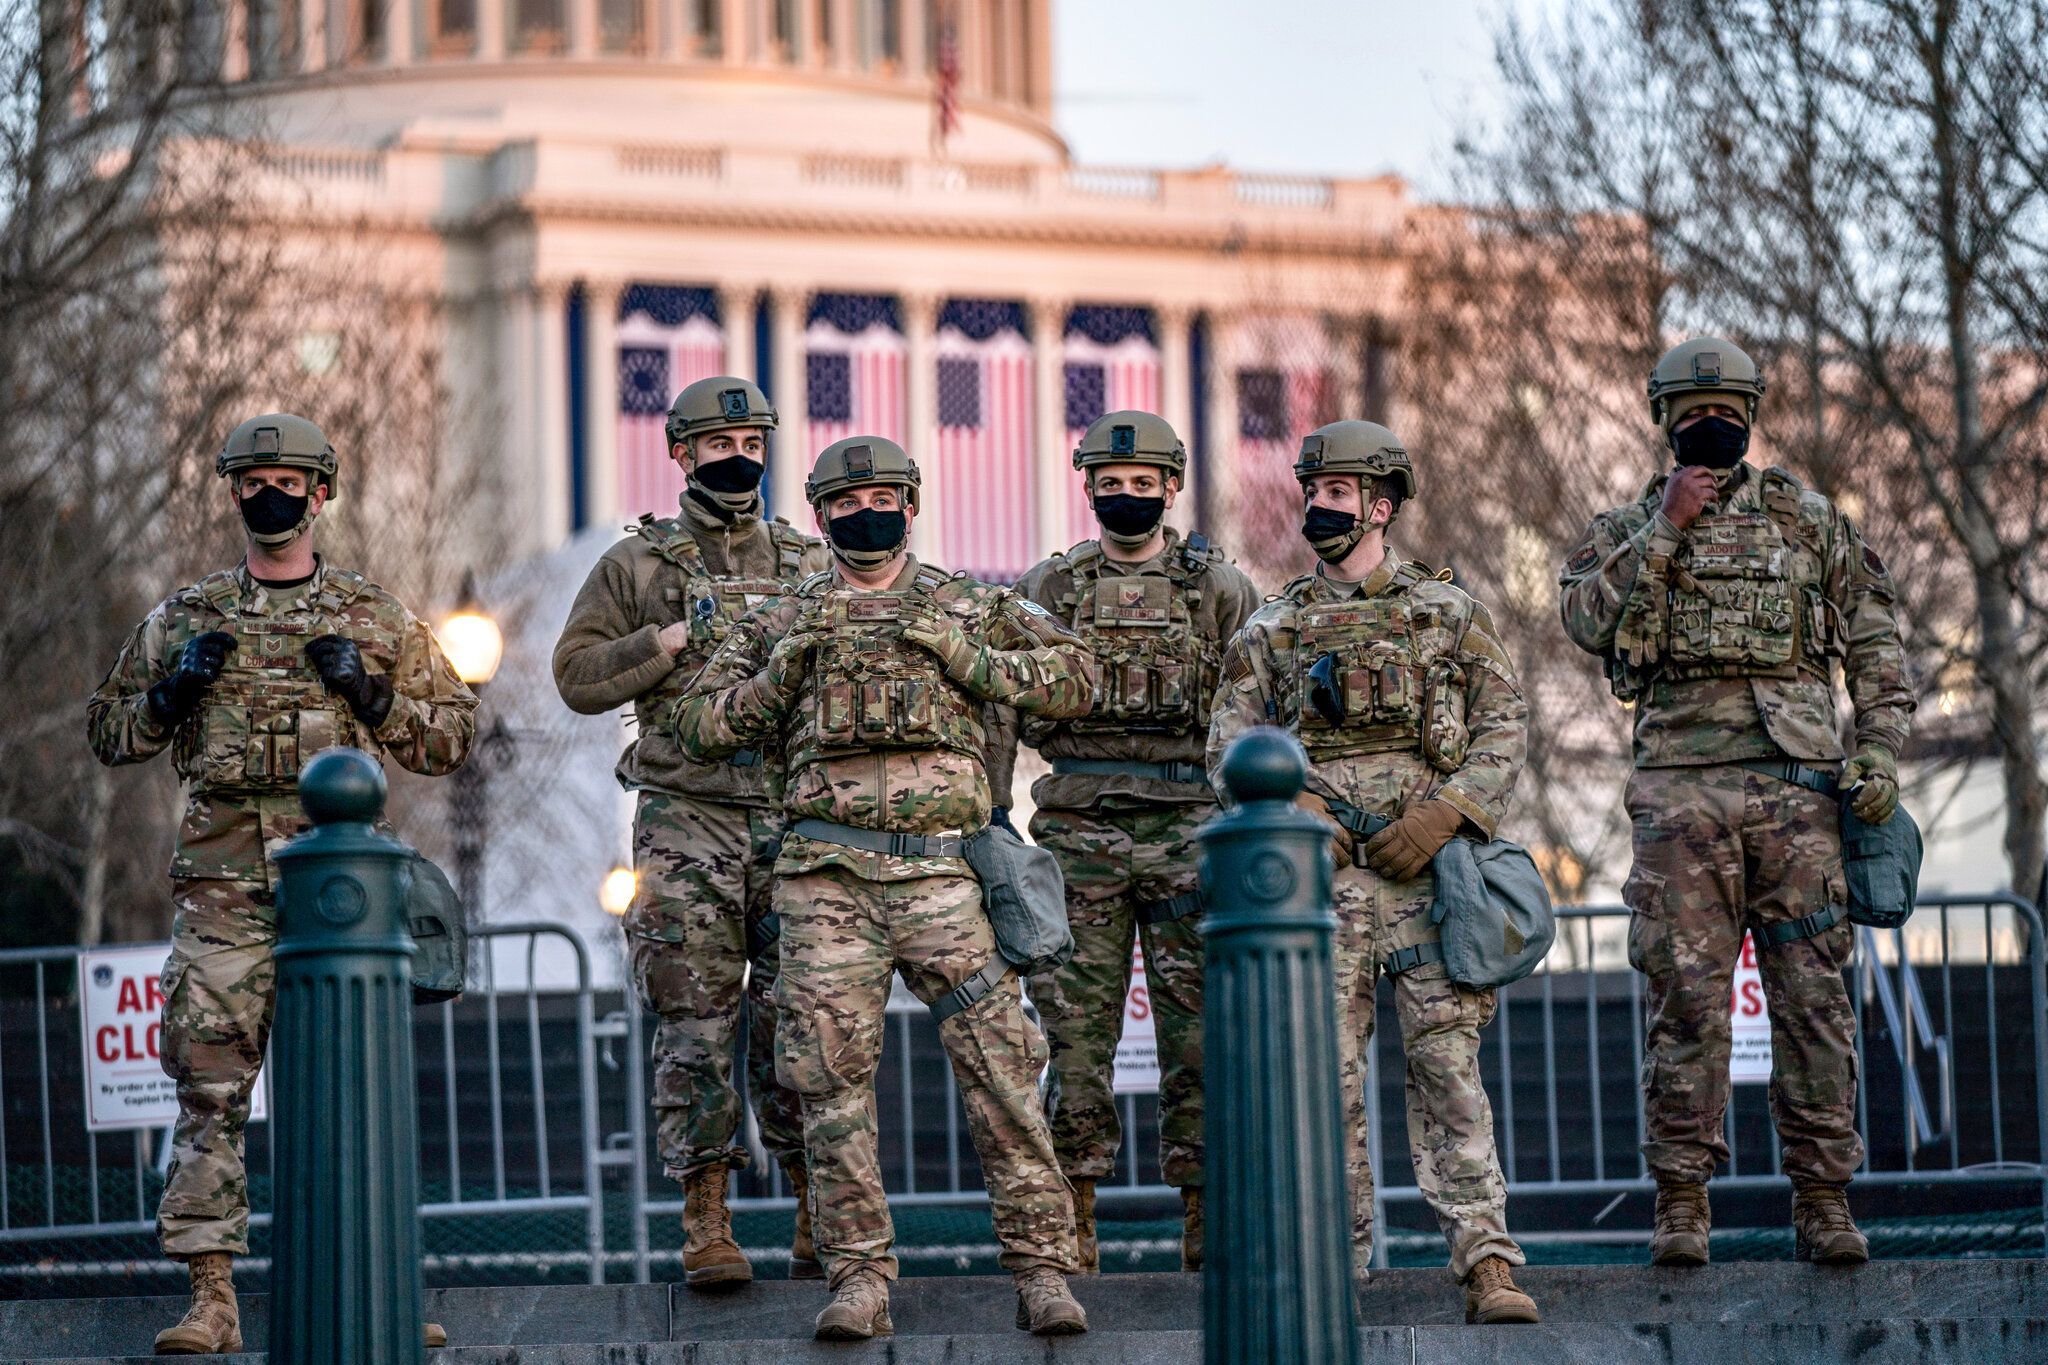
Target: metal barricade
(96,1186)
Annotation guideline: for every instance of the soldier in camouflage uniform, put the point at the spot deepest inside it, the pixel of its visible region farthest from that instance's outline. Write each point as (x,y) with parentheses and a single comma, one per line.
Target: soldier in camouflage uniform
(869,683)
(1399,688)
(1720,600)
(652,612)
(1120,808)
(244,676)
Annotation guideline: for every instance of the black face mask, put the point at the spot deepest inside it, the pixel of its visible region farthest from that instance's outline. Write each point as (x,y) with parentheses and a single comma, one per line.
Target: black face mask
(1129,517)
(868,533)
(270,511)
(1715,442)
(734,474)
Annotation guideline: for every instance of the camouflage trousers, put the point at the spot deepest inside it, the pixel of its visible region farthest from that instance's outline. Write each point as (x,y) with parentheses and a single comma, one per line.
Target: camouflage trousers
(1718,849)
(220,993)
(844,937)
(1450,1120)
(705,871)
(1116,861)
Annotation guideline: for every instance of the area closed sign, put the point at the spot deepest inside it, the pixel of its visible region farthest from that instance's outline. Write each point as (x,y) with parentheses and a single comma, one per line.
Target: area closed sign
(1749,1053)
(120,1002)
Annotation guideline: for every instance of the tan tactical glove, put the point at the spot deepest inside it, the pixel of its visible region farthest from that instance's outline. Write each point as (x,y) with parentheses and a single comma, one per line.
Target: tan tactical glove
(1401,850)
(1341,845)
(789,662)
(1878,796)
(938,630)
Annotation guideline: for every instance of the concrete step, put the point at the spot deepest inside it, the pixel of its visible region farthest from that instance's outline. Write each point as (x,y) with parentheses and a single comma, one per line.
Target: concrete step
(1638,1307)
(1886,1341)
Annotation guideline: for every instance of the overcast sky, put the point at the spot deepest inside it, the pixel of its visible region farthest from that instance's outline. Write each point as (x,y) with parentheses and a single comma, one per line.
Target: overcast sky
(1345,87)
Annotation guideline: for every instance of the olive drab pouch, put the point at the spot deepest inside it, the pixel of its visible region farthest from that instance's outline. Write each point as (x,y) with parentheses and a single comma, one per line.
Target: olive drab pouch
(267,715)
(873,689)
(1156,675)
(1025,895)
(1366,649)
(1883,867)
(440,937)
(1492,911)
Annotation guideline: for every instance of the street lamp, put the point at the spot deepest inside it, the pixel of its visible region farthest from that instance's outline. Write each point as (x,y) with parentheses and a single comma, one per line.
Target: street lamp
(474,646)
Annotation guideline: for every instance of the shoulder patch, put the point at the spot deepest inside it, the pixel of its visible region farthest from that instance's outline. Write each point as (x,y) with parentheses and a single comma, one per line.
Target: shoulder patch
(1034,608)
(1584,558)
(1873,565)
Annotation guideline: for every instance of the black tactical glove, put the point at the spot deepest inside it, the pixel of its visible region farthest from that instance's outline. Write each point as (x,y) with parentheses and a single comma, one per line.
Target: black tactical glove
(1000,817)
(340,666)
(178,695)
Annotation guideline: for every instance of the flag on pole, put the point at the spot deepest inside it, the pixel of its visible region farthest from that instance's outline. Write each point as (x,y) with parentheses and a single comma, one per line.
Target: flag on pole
(946,82)
(1112,364)
(669,338)
(1277,405)
(982,480)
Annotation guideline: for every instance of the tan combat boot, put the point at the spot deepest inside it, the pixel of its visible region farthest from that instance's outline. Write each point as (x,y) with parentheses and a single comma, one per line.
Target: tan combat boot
(1823,1231)
(1680,1237)
(1191,1227)
(803,1252)
(1045,1306)
(859,1308)
(1086,1253)
(1491,1296)
(213,1323)
(710,1255)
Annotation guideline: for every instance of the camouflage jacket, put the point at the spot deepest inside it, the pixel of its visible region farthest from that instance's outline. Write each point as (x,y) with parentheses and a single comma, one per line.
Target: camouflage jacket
(1459,726)
(242,750)
(1636,589)
(692,567)
(1158,630)
(932,786)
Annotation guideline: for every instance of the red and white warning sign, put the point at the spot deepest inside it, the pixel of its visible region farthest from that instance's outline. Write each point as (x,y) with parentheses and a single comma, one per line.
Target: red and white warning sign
(120,1003)
(1137,1054)
(1749,1059)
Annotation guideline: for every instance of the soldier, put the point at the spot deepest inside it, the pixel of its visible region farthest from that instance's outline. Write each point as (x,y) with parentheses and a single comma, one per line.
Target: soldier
(652,612)
(869,683)
(1720,600)
(245,676)
(1120,808)
(1399,688)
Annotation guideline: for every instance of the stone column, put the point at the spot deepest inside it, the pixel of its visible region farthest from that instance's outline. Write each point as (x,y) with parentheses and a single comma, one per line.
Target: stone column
(921,416)
(313,36)
(234,62)
(911,25)
(490,30)
(582,35)
(1176,402)
(736,318)
(549,381)
(789,463)
(735,31)
(847,35)
(398,32)
(1051,468)
(1221,421)
(974,46)
(600,415)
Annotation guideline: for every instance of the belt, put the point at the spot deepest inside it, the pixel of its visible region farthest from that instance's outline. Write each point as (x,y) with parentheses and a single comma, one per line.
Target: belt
(1115,767)
(1356,820)
(881,841)
(1172,908)
(1799,774)
(1806,926)
(971,991)
(1408,959)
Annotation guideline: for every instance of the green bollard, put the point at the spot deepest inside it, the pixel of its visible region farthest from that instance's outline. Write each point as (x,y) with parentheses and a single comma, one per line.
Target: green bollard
(345,1237)
(1277,1278)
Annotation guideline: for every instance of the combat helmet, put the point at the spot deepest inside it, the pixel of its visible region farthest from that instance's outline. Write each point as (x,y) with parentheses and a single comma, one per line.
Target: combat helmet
(857,462)
(717,403)
(1132,438)
(274,439)
(1693,370)
(1366,449)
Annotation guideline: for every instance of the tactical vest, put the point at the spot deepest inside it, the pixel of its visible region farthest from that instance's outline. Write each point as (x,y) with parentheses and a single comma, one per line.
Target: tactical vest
(1399,690)
(870,689)
(712,604)
(1743,599)
(269,713)
(1157,674)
